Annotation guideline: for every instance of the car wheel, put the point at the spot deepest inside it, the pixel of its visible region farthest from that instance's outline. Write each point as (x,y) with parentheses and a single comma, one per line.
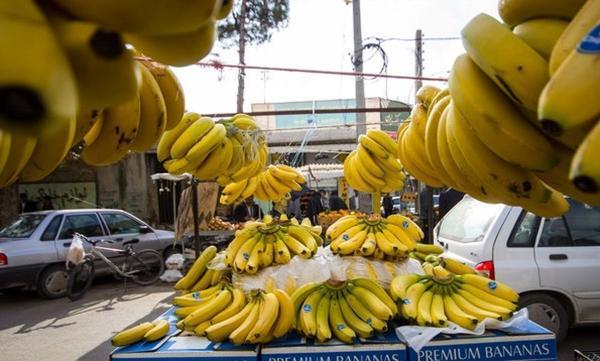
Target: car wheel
(53,281)
(548,312)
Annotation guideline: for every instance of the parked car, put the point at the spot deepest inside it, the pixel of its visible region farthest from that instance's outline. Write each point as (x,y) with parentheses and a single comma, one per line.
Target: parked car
(34,246)
(552,263)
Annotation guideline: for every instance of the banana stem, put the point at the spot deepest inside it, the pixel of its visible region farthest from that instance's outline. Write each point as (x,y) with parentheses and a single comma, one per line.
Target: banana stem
(376,202)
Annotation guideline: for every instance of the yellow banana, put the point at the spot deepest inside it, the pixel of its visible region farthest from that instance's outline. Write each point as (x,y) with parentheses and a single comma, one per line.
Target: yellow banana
(431,130)
(296,246)
(338,325)
(340,226)
(471,309)
(490,286)
(385,245)
(85,121)
(348,247)
(369,245)
(458,316)
(373,147)
(286,313)
(282,253)
(172,93)
(456,267)
(424,309)
(323,330)
(190,136)
(5,145)
(205,281)
(308,312)
(199,266)
(92,134)
(243,254)
(364,313)
(364,173)
(407,225)
(493,305)
(220,331)
(438,315)
(132,335)
(418,119)
(353,177)
(368,162)
(237,304)
(362,328)
(15,157)
(378,291)
(153,113)
(214,163)
(401,283)
(160,329)
(169,137)
(269,310)
(412,167)
(369,299)
(410,301)
(541,34)
(585,172)
(209,142)
(383,139)
(514,12)
(345,236)
(209,309)
(427,95)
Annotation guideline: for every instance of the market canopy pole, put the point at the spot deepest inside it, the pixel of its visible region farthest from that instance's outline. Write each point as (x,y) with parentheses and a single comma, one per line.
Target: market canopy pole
(194,183)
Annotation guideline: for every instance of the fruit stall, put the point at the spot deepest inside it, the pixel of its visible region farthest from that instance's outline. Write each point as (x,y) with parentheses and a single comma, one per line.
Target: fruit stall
(520,129)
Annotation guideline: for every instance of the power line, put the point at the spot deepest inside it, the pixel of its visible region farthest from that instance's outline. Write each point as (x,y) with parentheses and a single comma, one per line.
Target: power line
(316,111)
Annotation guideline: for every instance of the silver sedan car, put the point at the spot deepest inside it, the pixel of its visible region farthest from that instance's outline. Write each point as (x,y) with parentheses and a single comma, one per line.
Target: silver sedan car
(33,247)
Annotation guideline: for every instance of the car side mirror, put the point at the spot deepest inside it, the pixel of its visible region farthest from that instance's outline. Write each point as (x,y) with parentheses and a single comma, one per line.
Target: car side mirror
(145,229)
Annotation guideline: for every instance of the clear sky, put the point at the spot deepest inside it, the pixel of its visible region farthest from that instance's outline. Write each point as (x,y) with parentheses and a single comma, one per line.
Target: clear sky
(319,36)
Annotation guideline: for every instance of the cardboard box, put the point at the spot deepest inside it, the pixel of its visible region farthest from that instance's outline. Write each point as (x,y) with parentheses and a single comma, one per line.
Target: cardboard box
(531,343)
(385,347)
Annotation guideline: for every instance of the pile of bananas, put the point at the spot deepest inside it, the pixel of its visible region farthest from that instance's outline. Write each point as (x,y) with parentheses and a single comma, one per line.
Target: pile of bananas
(147,331)
(465,299)
(391,238)
(224,150)
(273,184)
(422,251)
(344,310)
(374,167)
(506,131)
(261,244)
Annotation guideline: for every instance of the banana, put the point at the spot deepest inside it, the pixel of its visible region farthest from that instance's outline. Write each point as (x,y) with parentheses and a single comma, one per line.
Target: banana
(383,139)
(282,173)
(424,309)
(176,49)
(224,9)
(403,250)
(429,248)
(368,162)
(286,316)
(164,17)
(438,315)
(220,331)
(471,309)
(353,176)
(347,235)
(430,139)
(119,128)
(160,329)
(172,93)
(323,330)
(36,83)
(412,167)
(369,245)
(585,173)
(237,305)
(481,303)
(515,12)
(458,316)
(521,75)
(269,311)
(235,189)
(274,183)
(340,226)
(5,145)
(378,291)
(407,225)
(85,121)
(568,100)
(581,24)
(296,246)
(364,313)
(188,304)
(209,309)
(301,293)
(401,283)
(200,151)
(304,236)
(456,267)
(200,329)
(169,137)
(190,136)
(369,299)
(337,323)
(418,119)
(373,147)
(410,301)
(497,122)
(427,94)
(50,150)
(243,254)
(250,188)
(14,158)
(93,133)
(490,286)
(216,162)
(347,247)
(132,335)
(204,281)
(153,113)
(362,328)
(104,69)
(308,313)
(541,34)
(199,266)
(385,245)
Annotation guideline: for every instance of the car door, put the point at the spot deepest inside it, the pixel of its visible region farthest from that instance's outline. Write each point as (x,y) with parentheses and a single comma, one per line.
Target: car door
(567,255)
(124,228)
(87,224)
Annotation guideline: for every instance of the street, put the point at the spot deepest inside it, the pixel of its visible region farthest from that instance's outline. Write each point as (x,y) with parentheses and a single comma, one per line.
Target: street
(35,329)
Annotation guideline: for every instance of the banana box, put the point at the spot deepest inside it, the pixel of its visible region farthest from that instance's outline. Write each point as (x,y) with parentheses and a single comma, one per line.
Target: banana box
(530,342)
(381,347)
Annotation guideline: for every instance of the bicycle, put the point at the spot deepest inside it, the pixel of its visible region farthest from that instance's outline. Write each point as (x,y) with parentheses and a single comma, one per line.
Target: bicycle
(143,267)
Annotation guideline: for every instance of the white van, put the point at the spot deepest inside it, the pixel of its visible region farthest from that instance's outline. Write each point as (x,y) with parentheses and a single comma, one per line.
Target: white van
(553,263)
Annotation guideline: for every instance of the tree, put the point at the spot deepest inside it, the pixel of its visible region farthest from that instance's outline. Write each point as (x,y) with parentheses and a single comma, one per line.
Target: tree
(251,22)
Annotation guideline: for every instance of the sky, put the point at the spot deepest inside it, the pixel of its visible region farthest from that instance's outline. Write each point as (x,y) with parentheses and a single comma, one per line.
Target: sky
(320,36)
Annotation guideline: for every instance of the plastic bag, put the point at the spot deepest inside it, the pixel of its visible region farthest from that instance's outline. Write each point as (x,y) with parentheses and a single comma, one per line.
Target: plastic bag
(76,251)
(417,336)
(175,262)
(171,275)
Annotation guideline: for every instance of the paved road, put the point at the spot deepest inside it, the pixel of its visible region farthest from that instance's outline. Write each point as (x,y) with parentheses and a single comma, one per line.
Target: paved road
(57,330)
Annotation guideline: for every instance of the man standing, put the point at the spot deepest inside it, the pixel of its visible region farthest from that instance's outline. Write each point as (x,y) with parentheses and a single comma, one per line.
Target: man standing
(26,205)
(336,203)
(245,211)
(388,205)
(448,199)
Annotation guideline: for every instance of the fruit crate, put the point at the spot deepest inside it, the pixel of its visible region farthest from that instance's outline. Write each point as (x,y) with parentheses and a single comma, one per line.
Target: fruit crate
(586,355)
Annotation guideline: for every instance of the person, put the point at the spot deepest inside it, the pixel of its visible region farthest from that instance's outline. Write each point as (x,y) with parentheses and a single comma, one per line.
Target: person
(424,201)
(245,211)
(323,199)
(47,203)
(26,204)
(293,210)
(448,199)
(314,207)
(336,203)
(388,205)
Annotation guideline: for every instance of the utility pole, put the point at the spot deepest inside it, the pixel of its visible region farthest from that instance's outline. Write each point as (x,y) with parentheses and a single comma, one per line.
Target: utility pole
(361,118)
(418,60)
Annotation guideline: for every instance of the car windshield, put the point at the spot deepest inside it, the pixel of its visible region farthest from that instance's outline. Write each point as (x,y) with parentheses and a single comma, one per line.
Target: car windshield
(23,226)
(468,221)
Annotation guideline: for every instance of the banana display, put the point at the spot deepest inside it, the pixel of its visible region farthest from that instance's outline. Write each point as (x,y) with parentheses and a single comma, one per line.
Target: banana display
(391,238)
(273,184)
(344,310)
(264,243)
(227,150)
(199,277)
(374,167)
(466,299)
(147,331)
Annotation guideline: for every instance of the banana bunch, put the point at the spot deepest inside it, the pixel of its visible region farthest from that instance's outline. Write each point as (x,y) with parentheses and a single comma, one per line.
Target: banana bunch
(261,244)
(147,331)
(466,300)
(231,149)
(266,316)
(272,184)
(450,265)
(422,251)
(391,238)
(374,167)
(199,277)
(344,310)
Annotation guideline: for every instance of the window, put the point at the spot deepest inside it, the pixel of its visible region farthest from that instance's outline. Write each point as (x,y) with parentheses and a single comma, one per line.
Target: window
(120,223)
(52,229)
(584,224)
(86,224)
(469,220)
(554,233)
(23,226)
(525,230)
